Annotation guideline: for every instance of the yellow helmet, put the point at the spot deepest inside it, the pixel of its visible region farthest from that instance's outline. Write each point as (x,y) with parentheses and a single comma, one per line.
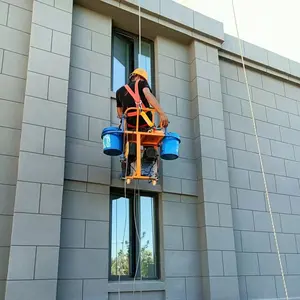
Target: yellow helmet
(140,72)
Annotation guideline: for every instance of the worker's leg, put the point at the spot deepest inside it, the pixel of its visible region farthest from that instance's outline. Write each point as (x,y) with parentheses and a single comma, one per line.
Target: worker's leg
(124,167)
(155,169)
(126,163)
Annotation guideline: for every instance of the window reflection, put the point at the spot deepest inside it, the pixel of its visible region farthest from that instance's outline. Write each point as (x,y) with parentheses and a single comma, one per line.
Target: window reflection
(145,59)
(148,255)
(138,256)
(125,58)
(120,251)
(122,61)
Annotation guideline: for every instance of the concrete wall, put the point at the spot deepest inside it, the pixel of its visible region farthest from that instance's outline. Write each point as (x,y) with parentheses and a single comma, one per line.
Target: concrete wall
(182,267)
(35,238)
(276,111)
(179,210)
(183,87)
(15,27)
(89,103)
(173,80)
(83,267)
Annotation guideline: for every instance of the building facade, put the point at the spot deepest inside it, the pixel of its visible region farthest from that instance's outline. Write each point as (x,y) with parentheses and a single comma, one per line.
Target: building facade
(205,230)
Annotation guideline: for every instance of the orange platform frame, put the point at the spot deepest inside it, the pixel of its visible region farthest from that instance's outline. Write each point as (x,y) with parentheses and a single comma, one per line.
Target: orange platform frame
(152,137)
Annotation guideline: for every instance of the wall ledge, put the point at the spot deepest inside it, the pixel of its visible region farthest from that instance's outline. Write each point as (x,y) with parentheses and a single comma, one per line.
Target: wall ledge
(211,31)
(171,11)
(261,59)
(259,67)
(145,286)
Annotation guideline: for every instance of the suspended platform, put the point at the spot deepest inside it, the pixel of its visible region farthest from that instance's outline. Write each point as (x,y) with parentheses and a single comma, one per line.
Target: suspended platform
(140,149)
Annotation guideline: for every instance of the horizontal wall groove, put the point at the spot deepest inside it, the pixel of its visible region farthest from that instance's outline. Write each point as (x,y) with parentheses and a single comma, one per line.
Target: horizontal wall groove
(267,155)
(21,7)
(22,54)
(43,50)
(90,93)
(85,115)
(47,99)
(257,66)
(39,183)
(36,214)
(23,31)
(16,30)
(35,279)
(78,25)
(267,173)
(54,6)
(71,65)
(90,50)
(48,76)
(12,101)
(267,122)
(84,248)
(50,29)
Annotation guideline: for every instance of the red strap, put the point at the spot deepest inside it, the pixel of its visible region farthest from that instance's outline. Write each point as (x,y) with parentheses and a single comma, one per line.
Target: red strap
(136,90)
(132,94)
(133,126)
(135,95)
(132,114)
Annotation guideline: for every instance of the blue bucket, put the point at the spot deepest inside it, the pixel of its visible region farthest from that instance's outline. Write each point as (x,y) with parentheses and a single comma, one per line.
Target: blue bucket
(169,149)
(112,141)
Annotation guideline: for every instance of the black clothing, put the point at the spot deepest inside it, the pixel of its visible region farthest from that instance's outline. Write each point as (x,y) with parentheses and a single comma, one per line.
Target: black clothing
(125,101)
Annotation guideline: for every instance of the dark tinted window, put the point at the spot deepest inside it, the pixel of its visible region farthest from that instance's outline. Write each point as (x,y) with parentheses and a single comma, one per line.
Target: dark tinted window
(134,240)
(125,58)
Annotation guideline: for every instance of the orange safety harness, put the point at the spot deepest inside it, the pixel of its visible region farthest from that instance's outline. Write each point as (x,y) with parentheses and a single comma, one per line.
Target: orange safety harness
(137,99)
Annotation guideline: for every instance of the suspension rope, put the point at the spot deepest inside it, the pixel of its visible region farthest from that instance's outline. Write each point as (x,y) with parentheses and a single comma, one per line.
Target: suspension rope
(139,263)
(140,35)
(260,156)
(140,246)
(125,222)
(137,228)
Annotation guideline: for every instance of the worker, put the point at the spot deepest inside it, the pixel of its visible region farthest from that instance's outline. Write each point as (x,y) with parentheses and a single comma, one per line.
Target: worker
(138,93)
(138,85)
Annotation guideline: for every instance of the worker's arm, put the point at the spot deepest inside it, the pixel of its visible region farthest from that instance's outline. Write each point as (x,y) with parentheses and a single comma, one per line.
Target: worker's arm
(119,112)
(119,105)
(154,103)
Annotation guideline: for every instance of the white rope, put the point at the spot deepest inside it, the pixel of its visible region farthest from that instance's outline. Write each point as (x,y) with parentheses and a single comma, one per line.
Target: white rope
(123,240)
(139,262)
(260,156)
(140,35)
(140,245)
(117,259)
(125,225)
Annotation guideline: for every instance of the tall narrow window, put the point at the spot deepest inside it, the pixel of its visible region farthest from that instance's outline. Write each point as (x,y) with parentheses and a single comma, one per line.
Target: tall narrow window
(125,58)
(148,234)
(134,239)
(120,237)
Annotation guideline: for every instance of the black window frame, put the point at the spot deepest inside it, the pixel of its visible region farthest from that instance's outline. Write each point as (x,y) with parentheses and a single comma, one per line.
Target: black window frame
(135,40)
(116,193)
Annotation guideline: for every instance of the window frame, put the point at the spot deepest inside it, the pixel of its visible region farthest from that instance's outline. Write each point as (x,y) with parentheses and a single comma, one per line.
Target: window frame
(135,39)
(115,193)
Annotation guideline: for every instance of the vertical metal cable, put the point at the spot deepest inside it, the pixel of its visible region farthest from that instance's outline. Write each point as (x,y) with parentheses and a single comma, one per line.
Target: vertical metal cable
(260,156)
(125,222)
(140,35)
